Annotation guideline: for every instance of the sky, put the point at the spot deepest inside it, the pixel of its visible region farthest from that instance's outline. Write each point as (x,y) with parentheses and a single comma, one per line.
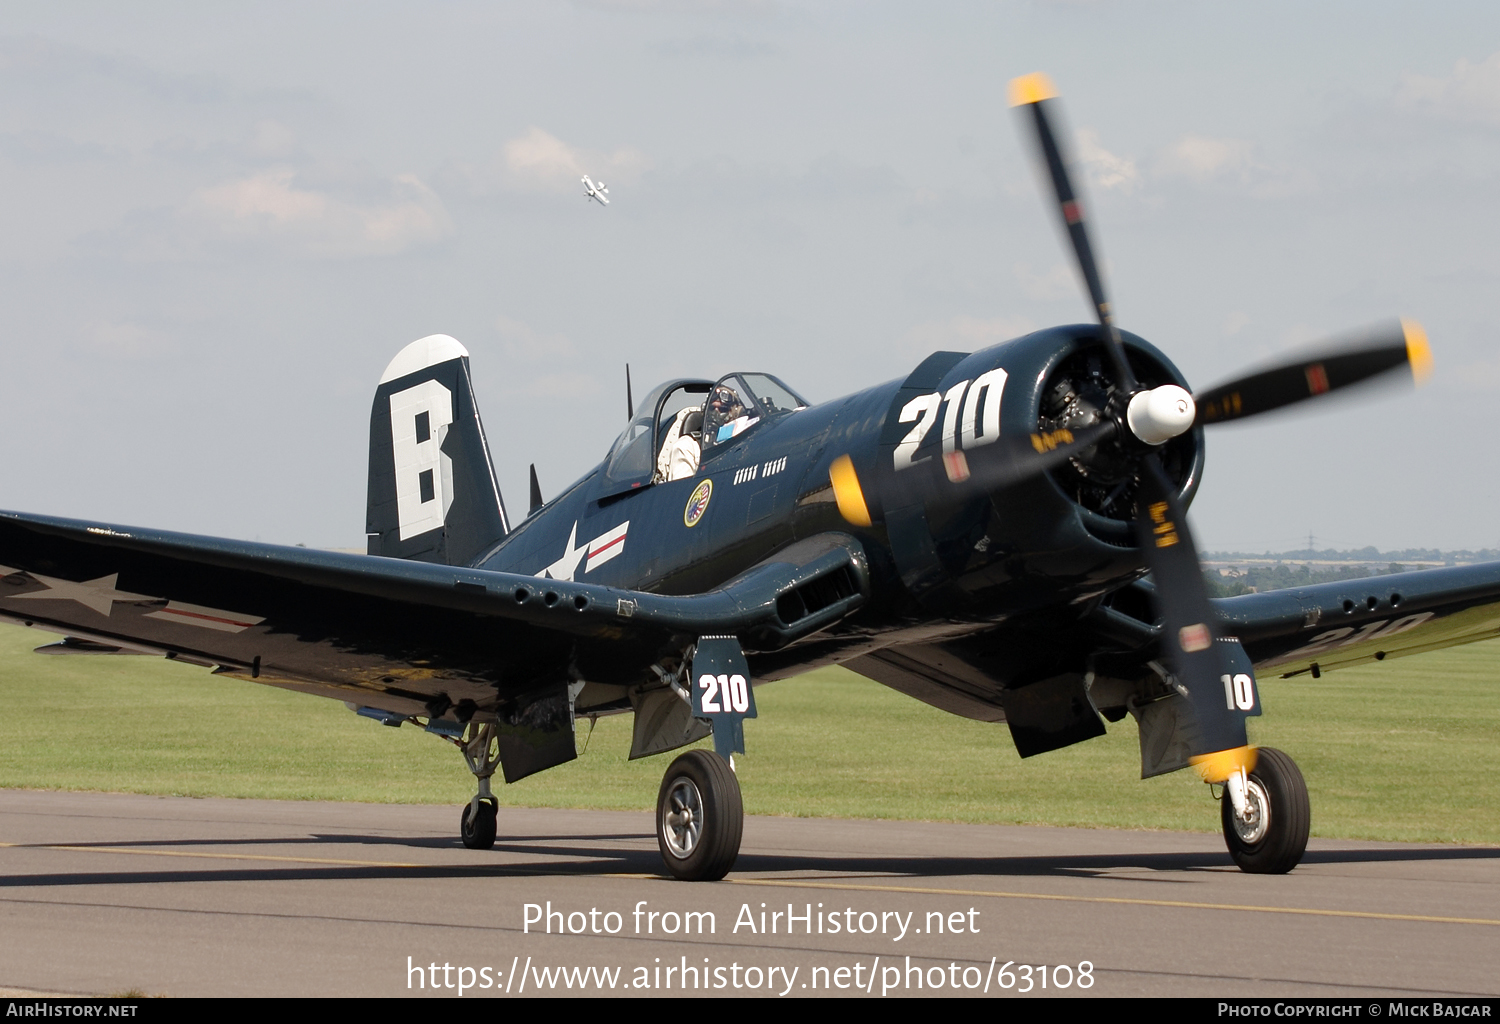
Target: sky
(218,223)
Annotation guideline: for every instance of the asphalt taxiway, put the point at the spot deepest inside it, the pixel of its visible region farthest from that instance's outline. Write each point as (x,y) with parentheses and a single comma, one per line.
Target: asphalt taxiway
(107,893)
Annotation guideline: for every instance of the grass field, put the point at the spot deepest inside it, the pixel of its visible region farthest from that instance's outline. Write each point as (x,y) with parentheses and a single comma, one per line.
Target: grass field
(1405,750)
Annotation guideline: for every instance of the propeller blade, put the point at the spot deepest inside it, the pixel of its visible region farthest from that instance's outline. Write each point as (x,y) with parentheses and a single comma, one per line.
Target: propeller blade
(991,467)
(1390,347)
(1035,92)
(1010,460)
(847,491)
(1190,628)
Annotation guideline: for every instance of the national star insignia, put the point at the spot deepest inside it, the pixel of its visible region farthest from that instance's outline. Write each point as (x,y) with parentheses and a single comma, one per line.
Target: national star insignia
(567,565)
(99,595)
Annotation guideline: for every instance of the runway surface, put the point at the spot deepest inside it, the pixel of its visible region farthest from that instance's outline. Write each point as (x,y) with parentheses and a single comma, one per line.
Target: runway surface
(106,893)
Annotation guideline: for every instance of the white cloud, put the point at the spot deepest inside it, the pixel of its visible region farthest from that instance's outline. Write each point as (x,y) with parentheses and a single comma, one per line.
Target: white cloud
(1206,160)
(1202,158)
(1470,93)
(1105,170)
(540,161)
(271,207)
(967,332)
(543,157)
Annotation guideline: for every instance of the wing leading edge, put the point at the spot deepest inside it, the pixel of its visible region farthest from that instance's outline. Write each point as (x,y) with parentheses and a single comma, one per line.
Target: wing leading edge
(413,638)
(1333,625)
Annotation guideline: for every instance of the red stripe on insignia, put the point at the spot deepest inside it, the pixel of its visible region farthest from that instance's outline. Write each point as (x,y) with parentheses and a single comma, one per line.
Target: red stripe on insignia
(1071,213)
(599,551)
(1317,379)
(212,618)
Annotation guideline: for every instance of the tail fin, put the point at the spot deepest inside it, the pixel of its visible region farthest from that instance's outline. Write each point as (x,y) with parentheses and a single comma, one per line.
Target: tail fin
(433,495)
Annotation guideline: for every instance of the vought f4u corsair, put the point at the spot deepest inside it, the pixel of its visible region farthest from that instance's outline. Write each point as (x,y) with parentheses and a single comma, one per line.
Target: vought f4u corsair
(1000,534)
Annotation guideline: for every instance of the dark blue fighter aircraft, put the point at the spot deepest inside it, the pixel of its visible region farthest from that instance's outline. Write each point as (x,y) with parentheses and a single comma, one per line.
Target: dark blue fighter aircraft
(1000,534)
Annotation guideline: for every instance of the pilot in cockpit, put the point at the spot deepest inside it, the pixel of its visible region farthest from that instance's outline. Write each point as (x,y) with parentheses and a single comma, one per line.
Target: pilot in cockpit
(725,415)
(681,448)
(691,431)
(724,407)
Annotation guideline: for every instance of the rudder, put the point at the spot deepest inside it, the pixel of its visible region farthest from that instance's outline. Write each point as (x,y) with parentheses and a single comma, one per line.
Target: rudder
(433,495)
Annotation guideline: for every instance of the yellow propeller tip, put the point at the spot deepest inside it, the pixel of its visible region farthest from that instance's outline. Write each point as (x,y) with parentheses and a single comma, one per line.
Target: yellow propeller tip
(847,492)
(1418,352)
(1218,766)
(1032,88)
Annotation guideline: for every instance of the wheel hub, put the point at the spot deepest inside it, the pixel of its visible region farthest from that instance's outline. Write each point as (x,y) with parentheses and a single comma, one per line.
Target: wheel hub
(1251,827)
(682,823)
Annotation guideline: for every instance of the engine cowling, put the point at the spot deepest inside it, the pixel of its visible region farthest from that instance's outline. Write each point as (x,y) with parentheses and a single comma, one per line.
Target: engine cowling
(1065,533)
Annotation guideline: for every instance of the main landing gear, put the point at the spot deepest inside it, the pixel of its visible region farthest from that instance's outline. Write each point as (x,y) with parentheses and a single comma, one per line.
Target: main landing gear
(482,755)
(699,817)
(1270,836)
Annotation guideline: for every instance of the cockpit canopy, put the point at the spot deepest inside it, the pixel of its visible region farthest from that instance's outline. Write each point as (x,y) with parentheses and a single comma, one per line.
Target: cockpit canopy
(711,414)
(741,400)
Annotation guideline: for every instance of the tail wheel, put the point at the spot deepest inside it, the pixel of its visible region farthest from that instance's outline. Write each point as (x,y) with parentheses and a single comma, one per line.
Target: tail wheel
(699,817)
(1272,836)
(477,827)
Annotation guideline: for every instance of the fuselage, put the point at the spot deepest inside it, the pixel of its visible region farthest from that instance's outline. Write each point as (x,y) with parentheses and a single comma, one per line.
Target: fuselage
(975,560)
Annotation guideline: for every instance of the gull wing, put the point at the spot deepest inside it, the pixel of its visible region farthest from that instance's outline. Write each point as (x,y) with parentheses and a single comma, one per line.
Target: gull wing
(1320,628)
(411,638)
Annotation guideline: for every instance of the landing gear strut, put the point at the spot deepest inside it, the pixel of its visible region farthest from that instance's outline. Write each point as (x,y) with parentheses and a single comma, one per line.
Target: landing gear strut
(1270,837)
(699,817)
(482,754)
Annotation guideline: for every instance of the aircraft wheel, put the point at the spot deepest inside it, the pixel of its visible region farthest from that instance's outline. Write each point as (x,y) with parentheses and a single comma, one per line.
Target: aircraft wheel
(699,817)
(478,832)
(1273,838)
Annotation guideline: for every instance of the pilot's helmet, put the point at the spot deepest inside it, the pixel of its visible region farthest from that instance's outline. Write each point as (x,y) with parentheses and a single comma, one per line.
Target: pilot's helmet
(725,402)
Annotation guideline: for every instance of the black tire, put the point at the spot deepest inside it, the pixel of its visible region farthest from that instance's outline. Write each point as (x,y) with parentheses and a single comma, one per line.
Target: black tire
(1275,846)
(702,848)
(478,834)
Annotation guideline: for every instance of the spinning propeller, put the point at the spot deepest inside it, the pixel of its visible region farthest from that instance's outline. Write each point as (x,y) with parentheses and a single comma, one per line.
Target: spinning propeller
(1138,420)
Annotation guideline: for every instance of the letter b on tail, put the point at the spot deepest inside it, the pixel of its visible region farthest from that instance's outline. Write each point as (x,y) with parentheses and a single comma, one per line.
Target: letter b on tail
(433,496)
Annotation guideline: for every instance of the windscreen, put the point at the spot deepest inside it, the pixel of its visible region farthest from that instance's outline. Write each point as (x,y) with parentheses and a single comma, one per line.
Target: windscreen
(774,397)
(633,453)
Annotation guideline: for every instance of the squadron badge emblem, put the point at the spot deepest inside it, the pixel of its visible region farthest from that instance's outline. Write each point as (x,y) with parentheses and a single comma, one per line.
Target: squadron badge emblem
(697,503)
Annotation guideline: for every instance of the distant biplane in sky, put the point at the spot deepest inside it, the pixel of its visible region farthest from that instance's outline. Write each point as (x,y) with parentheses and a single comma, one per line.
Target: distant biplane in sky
(1000,534)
